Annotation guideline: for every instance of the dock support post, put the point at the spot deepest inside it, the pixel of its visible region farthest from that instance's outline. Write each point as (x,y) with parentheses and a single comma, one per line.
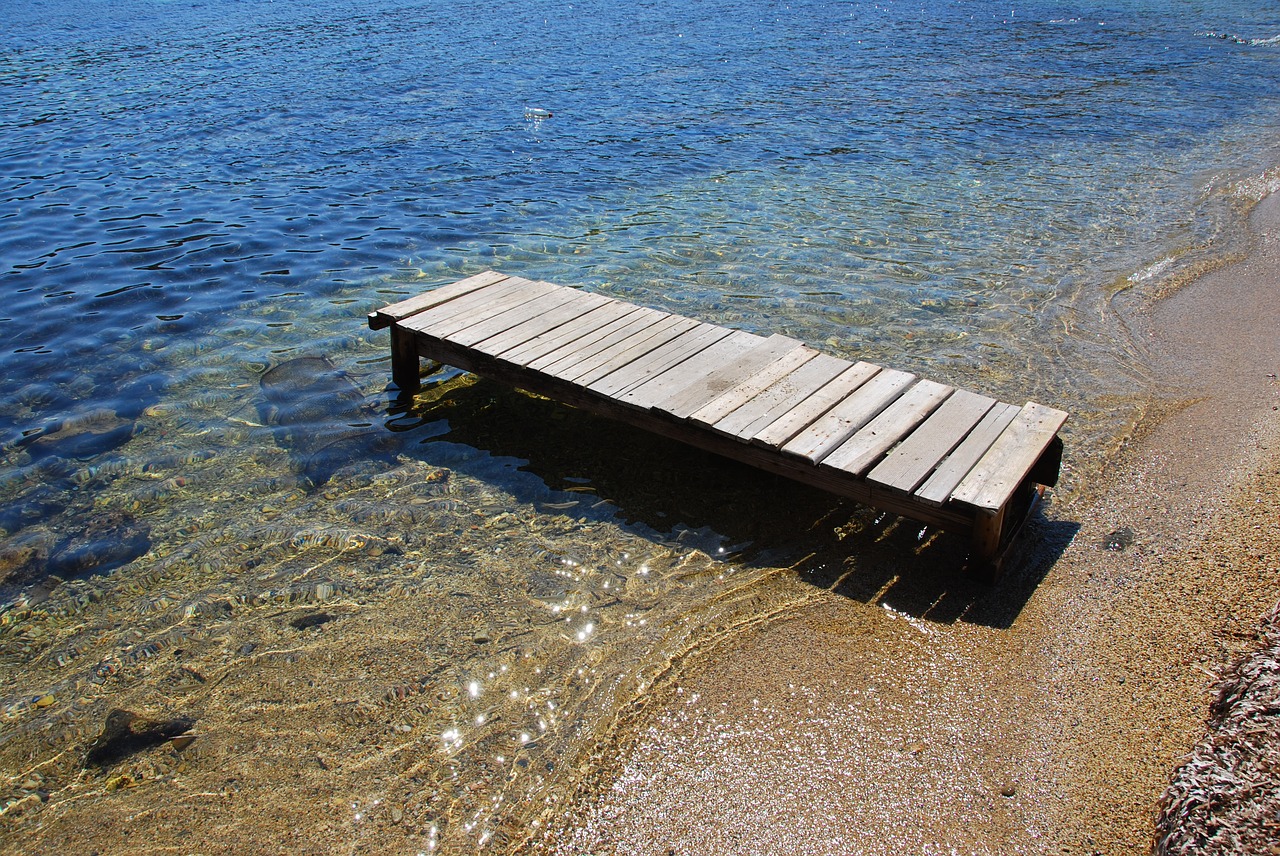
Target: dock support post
(985,550)
(404,361)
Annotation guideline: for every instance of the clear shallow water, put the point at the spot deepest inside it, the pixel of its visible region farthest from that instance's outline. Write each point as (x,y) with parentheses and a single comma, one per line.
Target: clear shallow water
(193,195)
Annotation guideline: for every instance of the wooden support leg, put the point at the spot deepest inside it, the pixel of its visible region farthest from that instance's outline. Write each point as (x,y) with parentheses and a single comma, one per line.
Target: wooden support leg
(985,551)
(404,361)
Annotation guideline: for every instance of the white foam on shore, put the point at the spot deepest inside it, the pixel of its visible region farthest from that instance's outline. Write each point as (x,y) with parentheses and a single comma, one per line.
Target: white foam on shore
(1152,270)
(1258,187)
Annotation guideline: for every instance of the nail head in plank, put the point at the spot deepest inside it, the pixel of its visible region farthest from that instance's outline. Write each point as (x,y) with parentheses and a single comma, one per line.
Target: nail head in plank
(910,463)
(937,489)
(716,382)
(856,455)
(993,480)
(830,430)
(815,406)
(388,315)
(729,401)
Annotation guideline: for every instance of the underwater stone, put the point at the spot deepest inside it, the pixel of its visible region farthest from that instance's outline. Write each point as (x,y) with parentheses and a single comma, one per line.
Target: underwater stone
(125,733)
(312,403)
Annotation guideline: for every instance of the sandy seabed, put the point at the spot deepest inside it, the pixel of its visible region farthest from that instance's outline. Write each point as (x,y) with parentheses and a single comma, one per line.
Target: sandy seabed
(1050,716)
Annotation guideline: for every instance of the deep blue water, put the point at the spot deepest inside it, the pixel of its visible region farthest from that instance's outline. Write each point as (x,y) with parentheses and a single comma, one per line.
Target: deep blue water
(193,193)
(860,169)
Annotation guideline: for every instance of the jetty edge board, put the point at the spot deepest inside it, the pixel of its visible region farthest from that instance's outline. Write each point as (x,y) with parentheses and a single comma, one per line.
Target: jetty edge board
(944,456)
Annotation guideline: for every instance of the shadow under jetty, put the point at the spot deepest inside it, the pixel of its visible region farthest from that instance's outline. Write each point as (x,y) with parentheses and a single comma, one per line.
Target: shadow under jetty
(681,496)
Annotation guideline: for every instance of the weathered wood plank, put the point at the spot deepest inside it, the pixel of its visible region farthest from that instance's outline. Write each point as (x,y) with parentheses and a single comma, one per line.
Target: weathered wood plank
(634,348)
(563,358)
(500,322)
(836,425)
(751,386)
(684,431)
(856,455)
(909,464)
(464,305)
(993,479)
(716,382)
(947,457)
(388,315)
(678,377)
(496,307)
(781,397)
(580,330)
(543,325)
(657,361)
(937,489)
(785,428)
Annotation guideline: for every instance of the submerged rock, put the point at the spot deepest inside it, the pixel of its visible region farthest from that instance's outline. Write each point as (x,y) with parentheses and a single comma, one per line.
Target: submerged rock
(313,404)
(109,541)
(125,733)
(314,619)
(24,556)
(1119,540)
(80,437)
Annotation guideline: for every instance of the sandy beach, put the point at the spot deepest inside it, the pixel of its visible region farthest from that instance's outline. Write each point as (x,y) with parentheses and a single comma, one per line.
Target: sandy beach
(893,711)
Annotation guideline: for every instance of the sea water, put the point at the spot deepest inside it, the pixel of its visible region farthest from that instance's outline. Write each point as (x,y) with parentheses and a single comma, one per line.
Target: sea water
(431,616)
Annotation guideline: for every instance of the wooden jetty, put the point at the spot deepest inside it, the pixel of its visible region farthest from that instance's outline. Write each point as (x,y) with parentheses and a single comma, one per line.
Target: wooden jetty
(944,456)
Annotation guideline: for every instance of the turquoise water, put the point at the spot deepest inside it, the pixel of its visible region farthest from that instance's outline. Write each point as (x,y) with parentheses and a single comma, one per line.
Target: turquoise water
(194,194)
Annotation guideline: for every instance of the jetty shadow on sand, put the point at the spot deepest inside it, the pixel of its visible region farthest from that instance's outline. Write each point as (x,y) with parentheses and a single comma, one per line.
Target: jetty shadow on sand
(925,577)
(676,494)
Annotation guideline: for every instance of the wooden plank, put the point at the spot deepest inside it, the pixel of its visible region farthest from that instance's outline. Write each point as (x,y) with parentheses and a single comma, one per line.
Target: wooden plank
(547,322)
(563,360)
(815,406)
(993,479)
(856,455)
(770,402)
(840,422)
(501,322)
(654,363)
(780,397)
(711,385)
(633,347)
(464,305)
(684,431)
(594,323)
(388,315)
(498,306)
(904,468)
(730,400)
(936,489)
(662,386)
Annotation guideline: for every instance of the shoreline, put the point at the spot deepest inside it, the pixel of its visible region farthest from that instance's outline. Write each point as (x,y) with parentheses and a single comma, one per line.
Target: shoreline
(844,727)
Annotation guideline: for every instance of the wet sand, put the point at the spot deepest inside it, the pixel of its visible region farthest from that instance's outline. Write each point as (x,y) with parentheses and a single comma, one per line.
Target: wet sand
(1044,716)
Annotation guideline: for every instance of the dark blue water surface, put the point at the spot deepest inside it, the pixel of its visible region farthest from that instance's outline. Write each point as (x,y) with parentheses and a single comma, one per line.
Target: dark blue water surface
(166,159)
(199,202)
